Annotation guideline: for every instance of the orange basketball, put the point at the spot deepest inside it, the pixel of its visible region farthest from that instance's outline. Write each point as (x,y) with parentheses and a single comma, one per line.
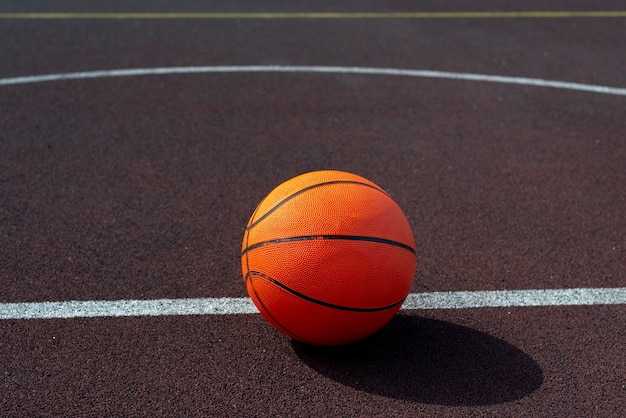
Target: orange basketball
(328,257)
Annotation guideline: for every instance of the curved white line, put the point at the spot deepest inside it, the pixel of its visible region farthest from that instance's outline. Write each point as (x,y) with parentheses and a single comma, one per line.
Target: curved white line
(234,306)
(536,82)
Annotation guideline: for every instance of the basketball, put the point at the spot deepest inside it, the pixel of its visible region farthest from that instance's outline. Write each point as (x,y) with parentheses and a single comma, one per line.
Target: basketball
(328,257)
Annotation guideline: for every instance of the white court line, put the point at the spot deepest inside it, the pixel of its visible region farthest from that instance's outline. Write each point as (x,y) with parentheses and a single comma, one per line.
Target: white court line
(510,298)
(211,306)
(231,306)
(315,69)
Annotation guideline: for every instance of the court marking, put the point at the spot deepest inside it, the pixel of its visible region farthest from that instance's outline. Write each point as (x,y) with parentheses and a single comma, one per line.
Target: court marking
(326,15)
(525,81)
(234,306)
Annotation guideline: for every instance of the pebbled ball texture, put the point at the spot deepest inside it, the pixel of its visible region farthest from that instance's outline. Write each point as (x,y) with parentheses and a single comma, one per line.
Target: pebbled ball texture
(328,257)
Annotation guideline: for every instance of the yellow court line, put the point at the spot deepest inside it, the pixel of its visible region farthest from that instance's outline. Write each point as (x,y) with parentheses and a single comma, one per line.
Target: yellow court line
(329,15)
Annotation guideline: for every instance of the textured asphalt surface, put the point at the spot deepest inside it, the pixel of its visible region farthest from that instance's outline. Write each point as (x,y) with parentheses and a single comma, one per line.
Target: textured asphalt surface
(140,188)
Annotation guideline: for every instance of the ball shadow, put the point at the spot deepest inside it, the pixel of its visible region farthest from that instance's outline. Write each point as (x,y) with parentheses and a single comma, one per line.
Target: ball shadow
(429,361)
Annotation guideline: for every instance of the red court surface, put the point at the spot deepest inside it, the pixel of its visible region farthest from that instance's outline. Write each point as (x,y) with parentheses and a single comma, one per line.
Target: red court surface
(118,186)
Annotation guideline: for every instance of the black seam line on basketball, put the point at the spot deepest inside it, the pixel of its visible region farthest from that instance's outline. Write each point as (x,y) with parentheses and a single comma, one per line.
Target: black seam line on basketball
(306,189)
(327,237)
(250,221)
(321,302)
(247,236)
(258,297)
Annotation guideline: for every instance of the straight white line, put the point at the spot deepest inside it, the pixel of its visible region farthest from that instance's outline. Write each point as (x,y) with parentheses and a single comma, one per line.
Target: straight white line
(510,298)
(232,306)
(104,308)
(535,82)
